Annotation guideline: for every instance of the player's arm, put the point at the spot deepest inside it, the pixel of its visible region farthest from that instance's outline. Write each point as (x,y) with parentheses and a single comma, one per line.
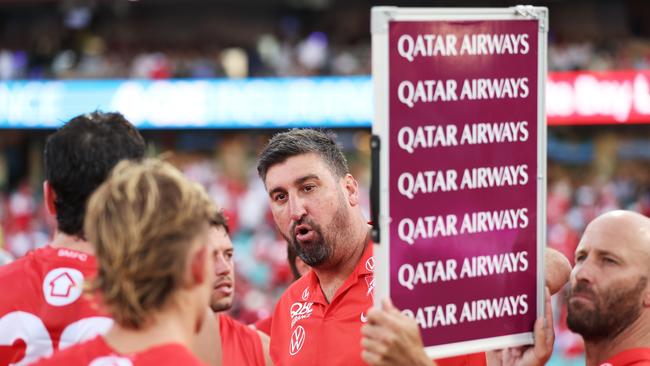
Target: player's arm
(266,341)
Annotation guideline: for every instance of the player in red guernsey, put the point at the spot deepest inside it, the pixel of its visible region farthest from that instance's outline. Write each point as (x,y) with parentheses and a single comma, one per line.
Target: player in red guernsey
(150,227)
(42,308)
(222,340)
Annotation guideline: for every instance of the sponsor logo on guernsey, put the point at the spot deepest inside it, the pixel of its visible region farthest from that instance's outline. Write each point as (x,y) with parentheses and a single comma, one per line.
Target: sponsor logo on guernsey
(62,286)
(300,311)
(364,318)
(370,264)
(305,294)
(370,282)
(67,253)
(297,340)
(111,361)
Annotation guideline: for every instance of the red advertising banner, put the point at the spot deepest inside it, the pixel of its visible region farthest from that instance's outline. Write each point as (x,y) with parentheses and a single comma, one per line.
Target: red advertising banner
(463,147)
(598,97)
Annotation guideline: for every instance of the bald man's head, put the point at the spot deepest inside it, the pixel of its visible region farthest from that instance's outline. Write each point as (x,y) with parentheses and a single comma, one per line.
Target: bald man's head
(609,283)
(628,229)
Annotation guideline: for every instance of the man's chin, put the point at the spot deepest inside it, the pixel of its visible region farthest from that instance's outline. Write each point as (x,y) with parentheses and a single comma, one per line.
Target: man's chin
(221,305)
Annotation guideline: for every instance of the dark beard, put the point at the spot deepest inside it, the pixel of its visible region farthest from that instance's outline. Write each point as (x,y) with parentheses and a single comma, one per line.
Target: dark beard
(613,311)
(321,249)
(317,251)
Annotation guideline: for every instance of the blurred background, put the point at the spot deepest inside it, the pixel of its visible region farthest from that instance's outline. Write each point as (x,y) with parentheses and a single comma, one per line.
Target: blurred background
(211,81)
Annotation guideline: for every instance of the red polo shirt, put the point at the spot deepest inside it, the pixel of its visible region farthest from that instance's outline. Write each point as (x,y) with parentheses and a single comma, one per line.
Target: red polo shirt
(306,330)
(240,345)
(634,356)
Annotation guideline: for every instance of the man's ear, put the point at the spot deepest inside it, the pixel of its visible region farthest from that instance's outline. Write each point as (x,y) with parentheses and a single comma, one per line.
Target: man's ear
(351,189)
(49,196)
(646,296)
(198,265)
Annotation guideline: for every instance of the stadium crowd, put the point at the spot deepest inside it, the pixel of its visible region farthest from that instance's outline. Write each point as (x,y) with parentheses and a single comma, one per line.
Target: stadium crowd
(78,48)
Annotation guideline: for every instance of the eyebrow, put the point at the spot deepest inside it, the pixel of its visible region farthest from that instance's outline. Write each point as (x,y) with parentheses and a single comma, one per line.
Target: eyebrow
(603,253)
(296,182)
(599,252)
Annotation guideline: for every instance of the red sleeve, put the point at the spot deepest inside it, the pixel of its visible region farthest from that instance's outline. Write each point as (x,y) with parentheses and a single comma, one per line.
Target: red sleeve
(264,325)
(474,359)
(240,344)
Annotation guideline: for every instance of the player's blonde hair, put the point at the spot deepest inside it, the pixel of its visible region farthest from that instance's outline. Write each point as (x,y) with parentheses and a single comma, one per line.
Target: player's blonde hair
(142,221)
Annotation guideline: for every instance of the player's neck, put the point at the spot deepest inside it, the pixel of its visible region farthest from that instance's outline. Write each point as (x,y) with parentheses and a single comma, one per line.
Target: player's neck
(63,240)
(636,335)
(207,345)
(163,327)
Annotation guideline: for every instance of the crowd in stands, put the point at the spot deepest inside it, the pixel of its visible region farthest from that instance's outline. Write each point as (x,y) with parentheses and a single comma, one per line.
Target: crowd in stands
(576,194)
(312,55)
(76,48)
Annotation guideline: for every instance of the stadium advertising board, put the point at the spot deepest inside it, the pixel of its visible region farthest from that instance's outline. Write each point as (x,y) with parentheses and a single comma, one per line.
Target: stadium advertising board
(585,97)
(459,113)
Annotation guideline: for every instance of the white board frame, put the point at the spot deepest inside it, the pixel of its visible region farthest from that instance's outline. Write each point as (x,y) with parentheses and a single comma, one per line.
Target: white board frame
(380,18)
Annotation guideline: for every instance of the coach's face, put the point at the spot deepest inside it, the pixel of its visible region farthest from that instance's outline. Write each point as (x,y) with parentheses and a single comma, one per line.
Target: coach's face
(609,281)
(310,206)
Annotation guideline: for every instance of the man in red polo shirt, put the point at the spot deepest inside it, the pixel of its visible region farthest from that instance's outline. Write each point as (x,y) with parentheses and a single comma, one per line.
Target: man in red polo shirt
(315,204)
(609,299)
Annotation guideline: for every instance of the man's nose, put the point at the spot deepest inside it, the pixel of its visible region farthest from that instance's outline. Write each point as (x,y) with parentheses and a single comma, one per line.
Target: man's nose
(297,208)
(221,266)
(582,272)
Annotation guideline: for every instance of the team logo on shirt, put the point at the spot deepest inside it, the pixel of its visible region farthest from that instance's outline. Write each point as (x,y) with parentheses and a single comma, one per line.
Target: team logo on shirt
(62,286)
(305,294)
(370,282)
(111,361)
(364,318)
(300,311)
(297,340)
(370,264)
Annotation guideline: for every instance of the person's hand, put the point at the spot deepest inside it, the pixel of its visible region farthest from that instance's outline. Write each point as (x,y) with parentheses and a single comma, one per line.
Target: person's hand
(392,338)
(537,354)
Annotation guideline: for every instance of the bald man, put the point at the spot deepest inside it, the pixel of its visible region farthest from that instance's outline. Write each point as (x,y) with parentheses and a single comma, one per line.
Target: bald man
(609,298)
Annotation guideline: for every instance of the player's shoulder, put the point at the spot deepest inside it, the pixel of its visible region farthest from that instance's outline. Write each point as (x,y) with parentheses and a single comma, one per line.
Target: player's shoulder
(80,353)
(167,354)
(230,326)
(19,279)
(15,268)
(43,259)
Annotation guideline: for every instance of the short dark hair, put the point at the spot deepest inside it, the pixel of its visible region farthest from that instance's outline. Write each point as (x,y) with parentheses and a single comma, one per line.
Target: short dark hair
(79,157)
(219,220)
(302,141)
